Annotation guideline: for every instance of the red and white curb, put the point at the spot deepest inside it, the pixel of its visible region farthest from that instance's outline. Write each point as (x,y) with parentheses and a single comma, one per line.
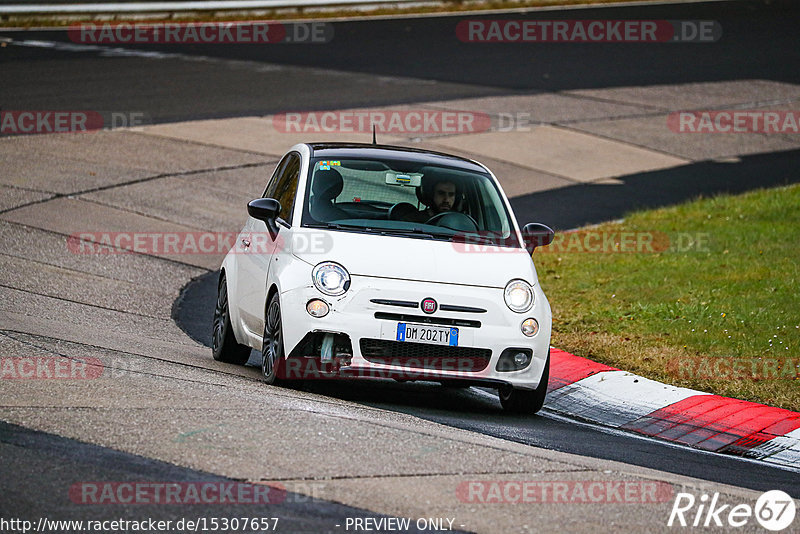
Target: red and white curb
(591,391)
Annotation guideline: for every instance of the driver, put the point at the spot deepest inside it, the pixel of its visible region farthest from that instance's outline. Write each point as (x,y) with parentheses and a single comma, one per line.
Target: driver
(443,198)
(439,197)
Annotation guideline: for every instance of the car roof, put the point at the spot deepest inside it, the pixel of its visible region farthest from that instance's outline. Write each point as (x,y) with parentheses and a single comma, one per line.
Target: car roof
(363,150)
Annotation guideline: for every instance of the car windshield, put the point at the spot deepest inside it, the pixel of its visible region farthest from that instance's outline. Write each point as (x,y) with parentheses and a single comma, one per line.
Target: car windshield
(406,198)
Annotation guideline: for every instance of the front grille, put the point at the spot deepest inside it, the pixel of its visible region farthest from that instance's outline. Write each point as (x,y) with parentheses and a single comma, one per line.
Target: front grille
(425,356)
(413,304)
(426,319)
(462,309)
(400,303)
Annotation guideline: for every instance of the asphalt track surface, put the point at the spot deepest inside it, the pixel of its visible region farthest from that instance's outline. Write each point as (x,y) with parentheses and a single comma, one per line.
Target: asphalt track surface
(43,460)
(761,43)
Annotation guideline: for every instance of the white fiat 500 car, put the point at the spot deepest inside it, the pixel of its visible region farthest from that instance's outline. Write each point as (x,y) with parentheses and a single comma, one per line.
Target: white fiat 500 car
(379,261)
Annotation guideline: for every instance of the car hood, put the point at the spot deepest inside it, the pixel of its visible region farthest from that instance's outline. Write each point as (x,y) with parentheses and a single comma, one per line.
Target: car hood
(408,258)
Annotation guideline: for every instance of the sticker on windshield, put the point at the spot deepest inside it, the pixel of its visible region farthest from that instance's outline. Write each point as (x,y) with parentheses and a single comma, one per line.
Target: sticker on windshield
(326,165)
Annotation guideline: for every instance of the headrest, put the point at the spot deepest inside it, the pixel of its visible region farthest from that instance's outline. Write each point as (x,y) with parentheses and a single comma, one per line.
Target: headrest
(327,184)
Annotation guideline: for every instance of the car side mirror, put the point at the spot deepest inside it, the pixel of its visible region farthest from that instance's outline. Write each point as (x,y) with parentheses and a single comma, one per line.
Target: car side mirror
(537,235)
(264,209)
(267,210)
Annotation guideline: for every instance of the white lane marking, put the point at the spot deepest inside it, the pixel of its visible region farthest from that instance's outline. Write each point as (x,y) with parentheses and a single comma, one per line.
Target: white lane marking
(615,398)
(545,412)
(452,14)
(781,450)
(170,6)
(257,66)
(108,51)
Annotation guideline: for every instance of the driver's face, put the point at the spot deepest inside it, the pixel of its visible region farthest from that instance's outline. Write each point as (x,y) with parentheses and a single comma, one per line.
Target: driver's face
(444,196)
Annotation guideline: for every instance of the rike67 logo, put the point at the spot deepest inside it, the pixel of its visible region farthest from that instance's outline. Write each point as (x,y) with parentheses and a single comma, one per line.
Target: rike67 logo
(774,510)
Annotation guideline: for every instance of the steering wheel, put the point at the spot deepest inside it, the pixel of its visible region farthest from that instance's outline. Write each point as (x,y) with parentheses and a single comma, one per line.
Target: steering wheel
(401,211)
(455,220)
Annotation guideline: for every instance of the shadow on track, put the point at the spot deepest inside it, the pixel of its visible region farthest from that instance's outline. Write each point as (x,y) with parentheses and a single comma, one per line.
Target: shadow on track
(578,205)
(62,464)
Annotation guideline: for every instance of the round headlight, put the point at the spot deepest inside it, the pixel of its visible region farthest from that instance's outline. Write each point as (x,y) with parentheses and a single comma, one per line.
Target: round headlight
(519,296)
(331,278)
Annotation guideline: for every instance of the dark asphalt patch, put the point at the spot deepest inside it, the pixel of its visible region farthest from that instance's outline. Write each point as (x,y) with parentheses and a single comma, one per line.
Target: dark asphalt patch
(193,310)
(39,469)
(579,205)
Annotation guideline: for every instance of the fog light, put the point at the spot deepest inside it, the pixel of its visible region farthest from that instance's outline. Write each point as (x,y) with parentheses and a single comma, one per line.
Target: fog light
(520,359)
(530,327)
(317,308)
(514,359)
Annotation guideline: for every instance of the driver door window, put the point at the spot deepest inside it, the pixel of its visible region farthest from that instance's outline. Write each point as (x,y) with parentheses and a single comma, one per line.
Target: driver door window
(283,185)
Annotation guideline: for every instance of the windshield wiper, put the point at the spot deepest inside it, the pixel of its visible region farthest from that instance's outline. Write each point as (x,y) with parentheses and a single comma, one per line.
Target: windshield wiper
(337,226)
(348,228)
(416,232)
(381,231)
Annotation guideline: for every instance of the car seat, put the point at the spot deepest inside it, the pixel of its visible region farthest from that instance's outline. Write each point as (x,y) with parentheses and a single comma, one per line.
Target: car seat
(326,186)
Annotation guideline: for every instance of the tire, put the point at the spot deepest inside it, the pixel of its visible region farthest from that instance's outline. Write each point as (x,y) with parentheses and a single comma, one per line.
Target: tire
(225,348)
(272,355)
(525,401)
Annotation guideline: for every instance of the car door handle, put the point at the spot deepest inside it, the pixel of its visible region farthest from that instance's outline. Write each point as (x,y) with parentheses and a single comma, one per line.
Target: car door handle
(245,242)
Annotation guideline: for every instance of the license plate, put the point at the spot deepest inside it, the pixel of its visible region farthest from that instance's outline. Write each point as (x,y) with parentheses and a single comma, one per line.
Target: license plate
(422,333)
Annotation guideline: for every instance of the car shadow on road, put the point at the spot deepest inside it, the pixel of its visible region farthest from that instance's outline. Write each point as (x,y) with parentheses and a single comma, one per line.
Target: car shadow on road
(582,204)
(408,397)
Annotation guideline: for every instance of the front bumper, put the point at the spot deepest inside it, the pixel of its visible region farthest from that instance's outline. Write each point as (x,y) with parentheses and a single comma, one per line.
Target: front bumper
(371,327)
